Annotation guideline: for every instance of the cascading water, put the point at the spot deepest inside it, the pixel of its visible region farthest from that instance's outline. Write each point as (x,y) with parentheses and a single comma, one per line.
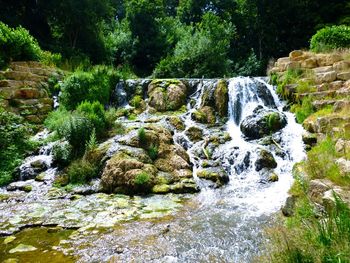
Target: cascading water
(216,225)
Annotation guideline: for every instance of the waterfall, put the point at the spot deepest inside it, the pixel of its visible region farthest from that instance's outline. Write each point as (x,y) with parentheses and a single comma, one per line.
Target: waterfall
(224,224)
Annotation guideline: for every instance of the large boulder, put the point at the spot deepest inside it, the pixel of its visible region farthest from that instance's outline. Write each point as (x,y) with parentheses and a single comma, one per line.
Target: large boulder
(124,174)
(262,123)
(148,161)
(167,95)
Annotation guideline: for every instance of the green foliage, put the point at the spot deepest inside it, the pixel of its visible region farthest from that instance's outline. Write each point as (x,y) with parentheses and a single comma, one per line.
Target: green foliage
(142,179)
(14,144)
(304,110)
(153,152)
(141,133)
(321,163)
(311,238)
(136,101)
(92,144)
(81,171)
(17,44)
(202,51)
(94,85)
(62,154)
(251,66)
(330,38)
(273,120)
(95,113)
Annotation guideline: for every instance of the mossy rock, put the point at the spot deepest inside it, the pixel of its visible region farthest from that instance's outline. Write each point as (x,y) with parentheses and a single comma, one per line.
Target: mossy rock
(204,115)
(167,95)
(122,174)
(216,175)
(176,122)
(221,98)
(265,160)
(195,134)
(161,189)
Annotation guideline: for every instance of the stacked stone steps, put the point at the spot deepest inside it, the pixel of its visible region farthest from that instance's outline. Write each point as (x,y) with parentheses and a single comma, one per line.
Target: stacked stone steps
(24,90)
(338,105)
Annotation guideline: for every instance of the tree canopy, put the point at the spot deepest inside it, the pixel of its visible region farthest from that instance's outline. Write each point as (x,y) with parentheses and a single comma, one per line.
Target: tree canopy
(175,38)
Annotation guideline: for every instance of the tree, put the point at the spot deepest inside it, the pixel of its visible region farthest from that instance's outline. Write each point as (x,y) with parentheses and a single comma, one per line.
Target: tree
(144,20)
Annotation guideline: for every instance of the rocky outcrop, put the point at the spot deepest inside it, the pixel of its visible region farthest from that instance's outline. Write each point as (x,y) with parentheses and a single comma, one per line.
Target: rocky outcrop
(216,97)
(167,95)
(262,123)
(132,170)
(24,90)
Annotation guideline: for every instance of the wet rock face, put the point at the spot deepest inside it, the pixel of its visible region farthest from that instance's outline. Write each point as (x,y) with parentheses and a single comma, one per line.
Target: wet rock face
(167,95)
(214,174)
(195,134)
(204,115)
(265,159)
(132,170)
(262,123)
(216,97)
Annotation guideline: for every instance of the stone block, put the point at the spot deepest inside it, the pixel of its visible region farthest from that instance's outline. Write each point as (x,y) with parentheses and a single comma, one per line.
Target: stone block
(344,76)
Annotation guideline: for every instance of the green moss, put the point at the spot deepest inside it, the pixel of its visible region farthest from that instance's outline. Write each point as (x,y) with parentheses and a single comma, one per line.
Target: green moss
(142,179)
(136,101)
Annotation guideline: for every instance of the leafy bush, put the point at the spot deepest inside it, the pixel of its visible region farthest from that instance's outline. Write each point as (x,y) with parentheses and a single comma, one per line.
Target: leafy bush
(14,144)
(18,44)
(136,101)
(81,171)
(95,113)
(93,85)
(329,38)
(62,154)
(72,126)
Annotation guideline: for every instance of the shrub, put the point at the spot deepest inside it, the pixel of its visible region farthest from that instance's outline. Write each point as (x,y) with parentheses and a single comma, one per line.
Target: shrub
(92,143)
(142,136)
(81,171)
(18,44)
(329,38)
(95,113)
(153,152)
(136,101)
(93,85)
(14,144)
(62,154)
(201,51)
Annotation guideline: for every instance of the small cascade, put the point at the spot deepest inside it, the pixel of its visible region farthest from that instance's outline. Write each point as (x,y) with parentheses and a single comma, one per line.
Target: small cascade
(42,161)
(119,96)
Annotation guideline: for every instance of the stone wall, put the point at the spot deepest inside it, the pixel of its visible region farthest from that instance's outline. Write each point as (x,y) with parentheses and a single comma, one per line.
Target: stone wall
(328,72)
(24,90)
